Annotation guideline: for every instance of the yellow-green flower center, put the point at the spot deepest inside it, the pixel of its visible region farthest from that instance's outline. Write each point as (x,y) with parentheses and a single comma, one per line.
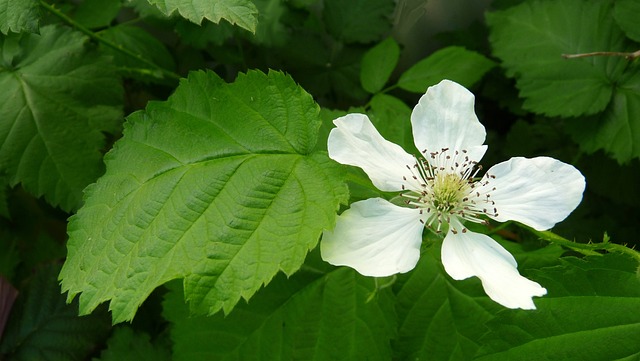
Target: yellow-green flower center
(448,191)
(444,188)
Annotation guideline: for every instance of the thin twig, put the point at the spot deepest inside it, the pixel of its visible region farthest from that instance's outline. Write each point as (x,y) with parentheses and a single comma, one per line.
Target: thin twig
(630,56)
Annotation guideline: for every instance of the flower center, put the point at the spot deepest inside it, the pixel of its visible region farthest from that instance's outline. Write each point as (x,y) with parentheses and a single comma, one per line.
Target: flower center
(448,191)
(443,187)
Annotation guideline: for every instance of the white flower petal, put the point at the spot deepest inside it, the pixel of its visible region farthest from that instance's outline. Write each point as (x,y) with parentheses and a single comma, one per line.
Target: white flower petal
(445,118)
(472,254)
(357,142)
(374,237)
(538,192)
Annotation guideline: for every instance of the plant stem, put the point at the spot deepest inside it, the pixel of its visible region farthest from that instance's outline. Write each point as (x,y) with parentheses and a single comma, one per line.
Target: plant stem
(585,248)
(166,73)
(633,55)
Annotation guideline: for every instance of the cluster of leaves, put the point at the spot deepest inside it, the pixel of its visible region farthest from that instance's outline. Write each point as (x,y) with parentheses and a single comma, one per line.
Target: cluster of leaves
(186,142)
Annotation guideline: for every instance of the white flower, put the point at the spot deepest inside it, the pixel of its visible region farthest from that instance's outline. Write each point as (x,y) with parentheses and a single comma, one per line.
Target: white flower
(378,238)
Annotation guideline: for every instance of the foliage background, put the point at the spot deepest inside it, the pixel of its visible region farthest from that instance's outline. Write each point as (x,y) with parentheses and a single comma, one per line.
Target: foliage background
(163,163)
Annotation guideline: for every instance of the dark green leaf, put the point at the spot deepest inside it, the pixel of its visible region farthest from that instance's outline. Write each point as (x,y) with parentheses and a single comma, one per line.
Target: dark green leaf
(58,98)
(308,316)
(270,30)
(19,16)
(97,13)
(358,21)
(201,36)
(617,130)
(627,13)
(139,42)
(218,185)
(378,64)
(43,327)
(530,39)
(128,345)
(590,313)
(454,63)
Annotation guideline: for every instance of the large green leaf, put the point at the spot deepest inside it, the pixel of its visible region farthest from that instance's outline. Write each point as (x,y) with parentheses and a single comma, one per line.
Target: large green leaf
(43,327)
(358,21)
(530,39)
(57,99)
(590,313)
(19,16)
(240,12)
(440,319)
(217,185)
(454,63)
(627,13)
(305,317)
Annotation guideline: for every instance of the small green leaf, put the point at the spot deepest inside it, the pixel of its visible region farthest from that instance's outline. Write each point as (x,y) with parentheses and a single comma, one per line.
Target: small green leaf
(270,30)
(58,98)
(358,21)
(43,327)
(454,63)
(378,64)
(19,16)
(218,185)
(306,317)
(530,39)
(128,345)
(627,13)
(141,43)
(239,12)
(97,13)
(590,313)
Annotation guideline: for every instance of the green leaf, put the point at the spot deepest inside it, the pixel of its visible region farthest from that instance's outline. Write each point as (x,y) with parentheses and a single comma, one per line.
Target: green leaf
(19,16)
(454,63)
(43,327)
(617,130)
(239,12)
(270,30)
(141,43)
(58,98)
(97,13)
(627,13)
(305,317)
(530,39)
(391,116)
(378,64)
(128,345)
(201,36)
(440,319)
(217,185)
(358,21)
(590,313)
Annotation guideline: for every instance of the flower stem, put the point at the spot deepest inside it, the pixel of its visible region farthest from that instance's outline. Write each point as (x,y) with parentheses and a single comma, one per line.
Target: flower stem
(586,248)
(158,69)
